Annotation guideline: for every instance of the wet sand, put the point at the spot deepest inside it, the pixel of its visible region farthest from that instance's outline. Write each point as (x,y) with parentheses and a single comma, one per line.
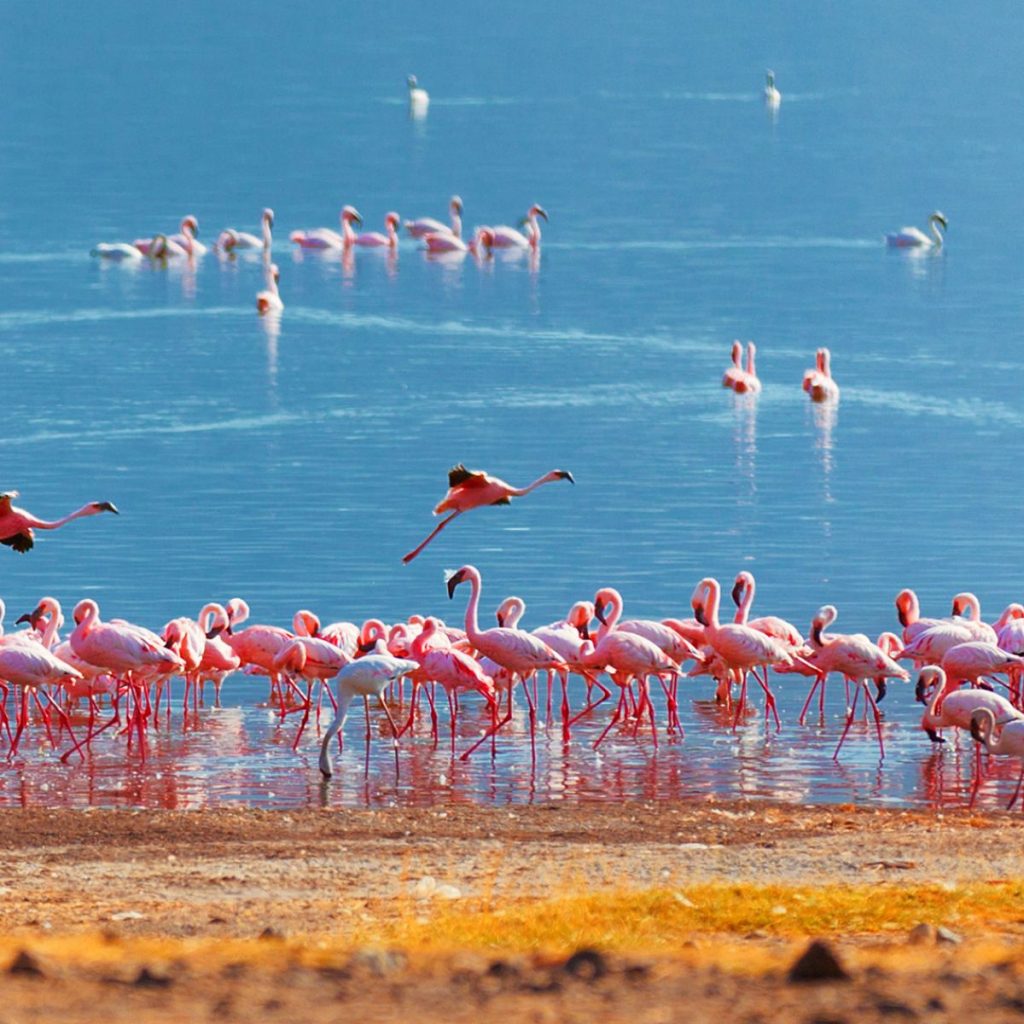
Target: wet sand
(157,915)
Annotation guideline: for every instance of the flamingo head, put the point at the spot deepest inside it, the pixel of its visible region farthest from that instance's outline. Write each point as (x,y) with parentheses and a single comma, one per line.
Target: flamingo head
(268,216)
(579,618)
(938,217)
(906,606)
(190,225)
(412,81)
(95,507)
(537,211)
(33,617)
(485,238)
(561,474)
(769,77)
(227,239)
(929,677)
(455,204)
(350,213)
(276,271)
(739,587)
(824,617)
(737,352)
(962,602)
(453,579)
(392,220)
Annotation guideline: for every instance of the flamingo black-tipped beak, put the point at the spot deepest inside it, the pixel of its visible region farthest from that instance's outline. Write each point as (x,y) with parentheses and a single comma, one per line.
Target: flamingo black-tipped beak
(27,617)
(599,613)
(564,474)
(453,582)
(975,730)
(919,692)
(902,616)
(500,618)
(212,634)
(737,593)
(816,634)
(169,644)
(584,631)
(108,506)
(367,648)
(698,614)
(541,212)
(881,689)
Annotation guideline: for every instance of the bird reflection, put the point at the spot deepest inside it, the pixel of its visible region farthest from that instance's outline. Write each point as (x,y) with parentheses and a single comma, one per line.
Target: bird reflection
(826,416)
(744,436)
(270,323)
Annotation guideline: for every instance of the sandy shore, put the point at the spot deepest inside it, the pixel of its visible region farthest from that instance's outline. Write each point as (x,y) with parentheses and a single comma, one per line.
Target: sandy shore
(230,913)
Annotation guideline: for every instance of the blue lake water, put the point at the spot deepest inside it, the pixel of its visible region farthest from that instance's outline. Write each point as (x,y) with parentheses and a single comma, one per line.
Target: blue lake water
(293,464)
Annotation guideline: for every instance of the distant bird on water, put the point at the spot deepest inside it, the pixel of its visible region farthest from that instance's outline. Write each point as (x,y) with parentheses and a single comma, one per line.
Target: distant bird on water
(16,525)
(471,488)
(772,96)
(269,300)
(419,98)
(915,238)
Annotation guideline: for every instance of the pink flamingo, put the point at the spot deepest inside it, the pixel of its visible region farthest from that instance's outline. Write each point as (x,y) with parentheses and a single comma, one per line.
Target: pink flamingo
(1009,742)
(184,243)
(1010,637)
(269,300)
(230,239)
(509,238)
(930,645)
(748,382)
(325,238)
(734,374)
(967,611)
(155,249)
(819,384)
(743,649)
(908,610)
(256,645)
(743,590)
(344,635)
(314,660)
(374,239)
(185,637)
(968,662)
(472,488)
(480,244)
(17,525)
(219,660)
(513,649)
(428,226)
(947,708)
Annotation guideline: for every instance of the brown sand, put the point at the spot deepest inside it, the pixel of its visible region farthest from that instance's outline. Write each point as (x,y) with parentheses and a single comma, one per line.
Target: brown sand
(158,915)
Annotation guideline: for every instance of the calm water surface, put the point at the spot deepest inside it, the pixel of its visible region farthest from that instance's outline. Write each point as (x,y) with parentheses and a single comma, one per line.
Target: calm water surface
(294,463)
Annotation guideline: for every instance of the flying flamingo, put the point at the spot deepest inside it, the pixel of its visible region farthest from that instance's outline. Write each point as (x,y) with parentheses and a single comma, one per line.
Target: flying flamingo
(428,226)
(819,384)
(374,239)
(325,238)
(509,238)
(519,652)
(471,488)
(230,239)
(1009,742)
(367,677)
(947,708)
(734,374)
(269,300)
(913,238)
(741,648)
(17,525)
(442,242)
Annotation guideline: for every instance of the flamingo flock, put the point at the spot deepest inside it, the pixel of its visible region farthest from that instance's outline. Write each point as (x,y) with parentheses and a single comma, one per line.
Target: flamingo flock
(817,382)
(124,672)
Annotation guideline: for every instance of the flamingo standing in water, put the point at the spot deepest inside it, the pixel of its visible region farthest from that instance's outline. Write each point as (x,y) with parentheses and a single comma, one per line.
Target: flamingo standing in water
(471,488)
(509,238)
(908,611)
(947,708)
(480,244)
(819,383)
(229,239)
(1009,742)
(428,226)
(741,648)
(17,525)
(743,590)
(325,238)
(269,300)
(915,238)
(967,611)
(519,652)
(368,677)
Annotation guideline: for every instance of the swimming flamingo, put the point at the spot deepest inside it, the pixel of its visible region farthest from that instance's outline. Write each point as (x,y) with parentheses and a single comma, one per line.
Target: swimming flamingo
(947,708)
(514,649)
(325,238)
(967,611)
(374,239)
(741,648)
(509,238)
(471,488)
(428,226)
(915,238)
(184,243)
(734,374)
(269,300)
(1009,742)
(748,382)
(772,96)
(128,252)
(480,244)
(367,677)
(419,98)
(230,239)
(17,525)
(820,384)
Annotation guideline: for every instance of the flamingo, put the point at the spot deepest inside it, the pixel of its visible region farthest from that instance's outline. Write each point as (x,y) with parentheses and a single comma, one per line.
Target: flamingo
(471,488)
(968,662)
(269,300)
(734,374)
(428,226)
(741,648)
(772,96)
(955,708)
(908,610)
(367,677)
(743,590)
(256,645)
(325,238)
(967,611)
(184,243)
(376,240)
(443,241)
(509,238)
(17,525)
(914,238)
(1009,742)
(219,660)
(748,382)
(820,384)
(230,239)
(128,252)
(930,645)
(419,98)
(313,659)
(521,653)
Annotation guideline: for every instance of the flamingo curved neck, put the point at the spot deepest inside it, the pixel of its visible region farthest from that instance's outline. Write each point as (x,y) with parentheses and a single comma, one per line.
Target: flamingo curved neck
(743,611)
(614,599)
(472,622)
(936,232)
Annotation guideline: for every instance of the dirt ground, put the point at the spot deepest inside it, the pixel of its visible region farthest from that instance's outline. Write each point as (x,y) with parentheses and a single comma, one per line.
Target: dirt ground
(233,914)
